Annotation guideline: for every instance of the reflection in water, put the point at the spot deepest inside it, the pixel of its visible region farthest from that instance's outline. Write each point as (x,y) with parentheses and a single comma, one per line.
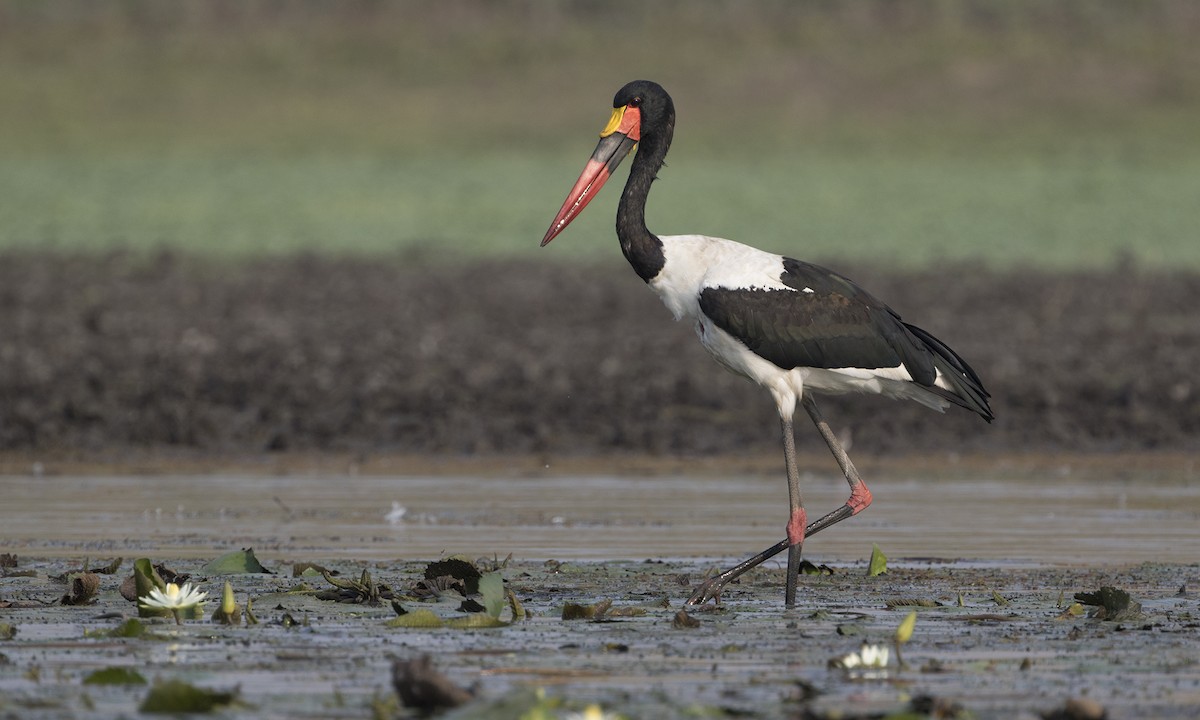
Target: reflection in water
(1063,521)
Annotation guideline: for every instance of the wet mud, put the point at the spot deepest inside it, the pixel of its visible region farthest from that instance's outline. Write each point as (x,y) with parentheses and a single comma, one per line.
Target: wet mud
(111,354)
(990,641)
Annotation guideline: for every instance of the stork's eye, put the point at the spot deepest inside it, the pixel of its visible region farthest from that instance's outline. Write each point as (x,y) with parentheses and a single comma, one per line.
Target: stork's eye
(635,102)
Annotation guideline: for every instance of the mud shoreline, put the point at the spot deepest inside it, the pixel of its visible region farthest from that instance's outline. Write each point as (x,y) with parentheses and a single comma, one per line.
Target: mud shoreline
(126,355)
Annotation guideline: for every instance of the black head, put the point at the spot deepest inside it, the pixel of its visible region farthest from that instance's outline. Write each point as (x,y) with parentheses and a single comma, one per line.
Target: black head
(658,111)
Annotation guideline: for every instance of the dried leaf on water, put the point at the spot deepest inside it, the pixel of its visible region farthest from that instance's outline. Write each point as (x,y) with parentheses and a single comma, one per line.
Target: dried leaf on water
(808,568)
(82,589)
(423,688)
(683,621)
(460,569)
(362,591)
(595,611)
(7,631)
(878,563)
(911,603)
(1111,604)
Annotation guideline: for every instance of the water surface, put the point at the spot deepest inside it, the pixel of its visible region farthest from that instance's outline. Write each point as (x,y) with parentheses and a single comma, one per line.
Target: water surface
(1042,519)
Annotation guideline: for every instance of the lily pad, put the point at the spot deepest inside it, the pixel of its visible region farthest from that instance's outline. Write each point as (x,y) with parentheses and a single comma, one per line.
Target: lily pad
(115,676)
(177,696)
(422,618)
(235,563)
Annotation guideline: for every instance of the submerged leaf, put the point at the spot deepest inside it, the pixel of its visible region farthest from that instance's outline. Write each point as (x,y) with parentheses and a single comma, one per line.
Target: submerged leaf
(878,564)
(131,628)
(176,696)
(475,621)
(115,676)
(235,563)
(575,611)
(423,618)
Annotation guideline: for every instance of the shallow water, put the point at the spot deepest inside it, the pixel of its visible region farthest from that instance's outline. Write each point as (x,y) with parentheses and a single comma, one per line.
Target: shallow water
(1059,518)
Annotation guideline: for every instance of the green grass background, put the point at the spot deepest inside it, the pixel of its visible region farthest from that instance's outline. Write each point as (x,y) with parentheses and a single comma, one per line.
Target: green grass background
(1037,133)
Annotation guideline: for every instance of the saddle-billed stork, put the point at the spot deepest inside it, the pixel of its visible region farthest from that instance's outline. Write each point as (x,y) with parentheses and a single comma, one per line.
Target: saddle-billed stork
(790,326)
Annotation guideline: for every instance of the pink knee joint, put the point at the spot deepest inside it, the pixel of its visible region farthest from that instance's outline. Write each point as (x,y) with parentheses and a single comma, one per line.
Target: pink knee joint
(796,526)
(860,498)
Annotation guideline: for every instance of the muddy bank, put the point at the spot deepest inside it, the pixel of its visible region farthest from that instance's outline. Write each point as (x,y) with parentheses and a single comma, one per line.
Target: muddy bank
(989,642)
(369,356)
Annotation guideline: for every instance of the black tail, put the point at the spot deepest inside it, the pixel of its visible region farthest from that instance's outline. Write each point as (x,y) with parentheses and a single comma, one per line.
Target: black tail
(968,388)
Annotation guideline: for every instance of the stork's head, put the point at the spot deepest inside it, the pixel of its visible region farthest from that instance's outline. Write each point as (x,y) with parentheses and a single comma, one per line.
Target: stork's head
(642,110)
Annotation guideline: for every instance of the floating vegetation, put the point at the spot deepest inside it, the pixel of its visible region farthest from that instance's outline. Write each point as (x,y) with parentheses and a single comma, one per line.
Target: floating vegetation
(81,589)
(878,563)
(237,562)
(176,696)
(458,578)
(228,612)
(1110,603)
(423,688)
(115,676)
(363,591)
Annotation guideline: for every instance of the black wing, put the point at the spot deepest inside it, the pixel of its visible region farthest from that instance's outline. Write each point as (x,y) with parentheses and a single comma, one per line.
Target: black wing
(827,321)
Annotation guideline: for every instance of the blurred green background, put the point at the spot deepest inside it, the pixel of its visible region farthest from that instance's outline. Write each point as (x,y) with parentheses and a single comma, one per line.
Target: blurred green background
(1012,132)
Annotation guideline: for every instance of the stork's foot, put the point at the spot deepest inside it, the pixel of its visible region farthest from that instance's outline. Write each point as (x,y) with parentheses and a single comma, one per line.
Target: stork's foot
(710,589)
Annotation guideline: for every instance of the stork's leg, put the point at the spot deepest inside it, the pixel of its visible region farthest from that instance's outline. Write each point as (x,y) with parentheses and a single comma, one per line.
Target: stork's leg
(798,519)
(860,498)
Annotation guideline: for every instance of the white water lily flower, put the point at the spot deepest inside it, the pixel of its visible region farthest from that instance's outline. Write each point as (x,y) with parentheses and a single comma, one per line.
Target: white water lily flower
(591,712)
(870,656)
(174,598)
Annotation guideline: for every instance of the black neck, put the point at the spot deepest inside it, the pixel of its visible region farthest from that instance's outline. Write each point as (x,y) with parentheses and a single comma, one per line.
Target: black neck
(642,248)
